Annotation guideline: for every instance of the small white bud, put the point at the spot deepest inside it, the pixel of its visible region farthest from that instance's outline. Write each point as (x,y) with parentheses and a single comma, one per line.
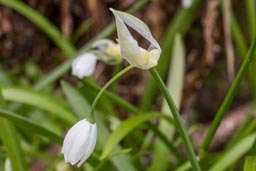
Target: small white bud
(130,50)
(84,65)
(79,142)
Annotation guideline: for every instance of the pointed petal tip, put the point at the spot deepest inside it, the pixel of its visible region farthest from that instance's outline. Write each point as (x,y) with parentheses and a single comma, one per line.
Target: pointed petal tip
(112,10)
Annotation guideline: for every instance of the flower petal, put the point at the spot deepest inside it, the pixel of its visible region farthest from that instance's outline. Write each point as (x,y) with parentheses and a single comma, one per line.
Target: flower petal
(137,25)
(78,150)
(90,145)
(130,49)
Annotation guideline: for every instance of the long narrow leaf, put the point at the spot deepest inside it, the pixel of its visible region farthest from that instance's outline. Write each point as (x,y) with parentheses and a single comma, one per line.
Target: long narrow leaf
(230,95)
(40,100)
(30,125)
(10,139)
(233,154)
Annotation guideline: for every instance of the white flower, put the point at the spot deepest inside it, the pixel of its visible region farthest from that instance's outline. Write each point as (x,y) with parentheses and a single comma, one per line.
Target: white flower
(130,50)
(79,142)
(84,65)
(186,3)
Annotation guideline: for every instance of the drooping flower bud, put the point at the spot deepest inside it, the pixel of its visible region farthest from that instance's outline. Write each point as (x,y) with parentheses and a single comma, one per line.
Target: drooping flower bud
(79,142)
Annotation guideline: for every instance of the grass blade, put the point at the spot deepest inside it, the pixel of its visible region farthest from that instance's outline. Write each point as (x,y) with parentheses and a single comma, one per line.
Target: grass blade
(11,141)
(229,97)
(233,154)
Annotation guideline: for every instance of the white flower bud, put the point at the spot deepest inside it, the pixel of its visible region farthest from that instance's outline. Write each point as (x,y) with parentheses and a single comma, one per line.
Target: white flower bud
(109,51)
(130,50)
(84,65)
(79,142)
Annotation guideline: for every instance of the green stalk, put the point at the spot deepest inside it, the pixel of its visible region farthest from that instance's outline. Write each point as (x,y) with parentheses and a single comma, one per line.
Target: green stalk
(251,16)
(229,97)
(112,80)
(177,119)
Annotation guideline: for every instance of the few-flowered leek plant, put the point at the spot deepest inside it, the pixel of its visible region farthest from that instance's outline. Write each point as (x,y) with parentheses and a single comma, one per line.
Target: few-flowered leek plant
(130,50)
(81,138)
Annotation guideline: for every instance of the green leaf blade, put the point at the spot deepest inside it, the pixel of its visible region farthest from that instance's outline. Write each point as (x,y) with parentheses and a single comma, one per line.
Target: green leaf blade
(122,130)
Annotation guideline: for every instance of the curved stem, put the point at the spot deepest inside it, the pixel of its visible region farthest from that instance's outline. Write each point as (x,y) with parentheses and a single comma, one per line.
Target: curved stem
(177,119)
(117,76)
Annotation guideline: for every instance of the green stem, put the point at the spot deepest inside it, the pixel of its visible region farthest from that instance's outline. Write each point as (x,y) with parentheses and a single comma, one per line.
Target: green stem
(229,97)
(117,76)
(177,119)
(251,16)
